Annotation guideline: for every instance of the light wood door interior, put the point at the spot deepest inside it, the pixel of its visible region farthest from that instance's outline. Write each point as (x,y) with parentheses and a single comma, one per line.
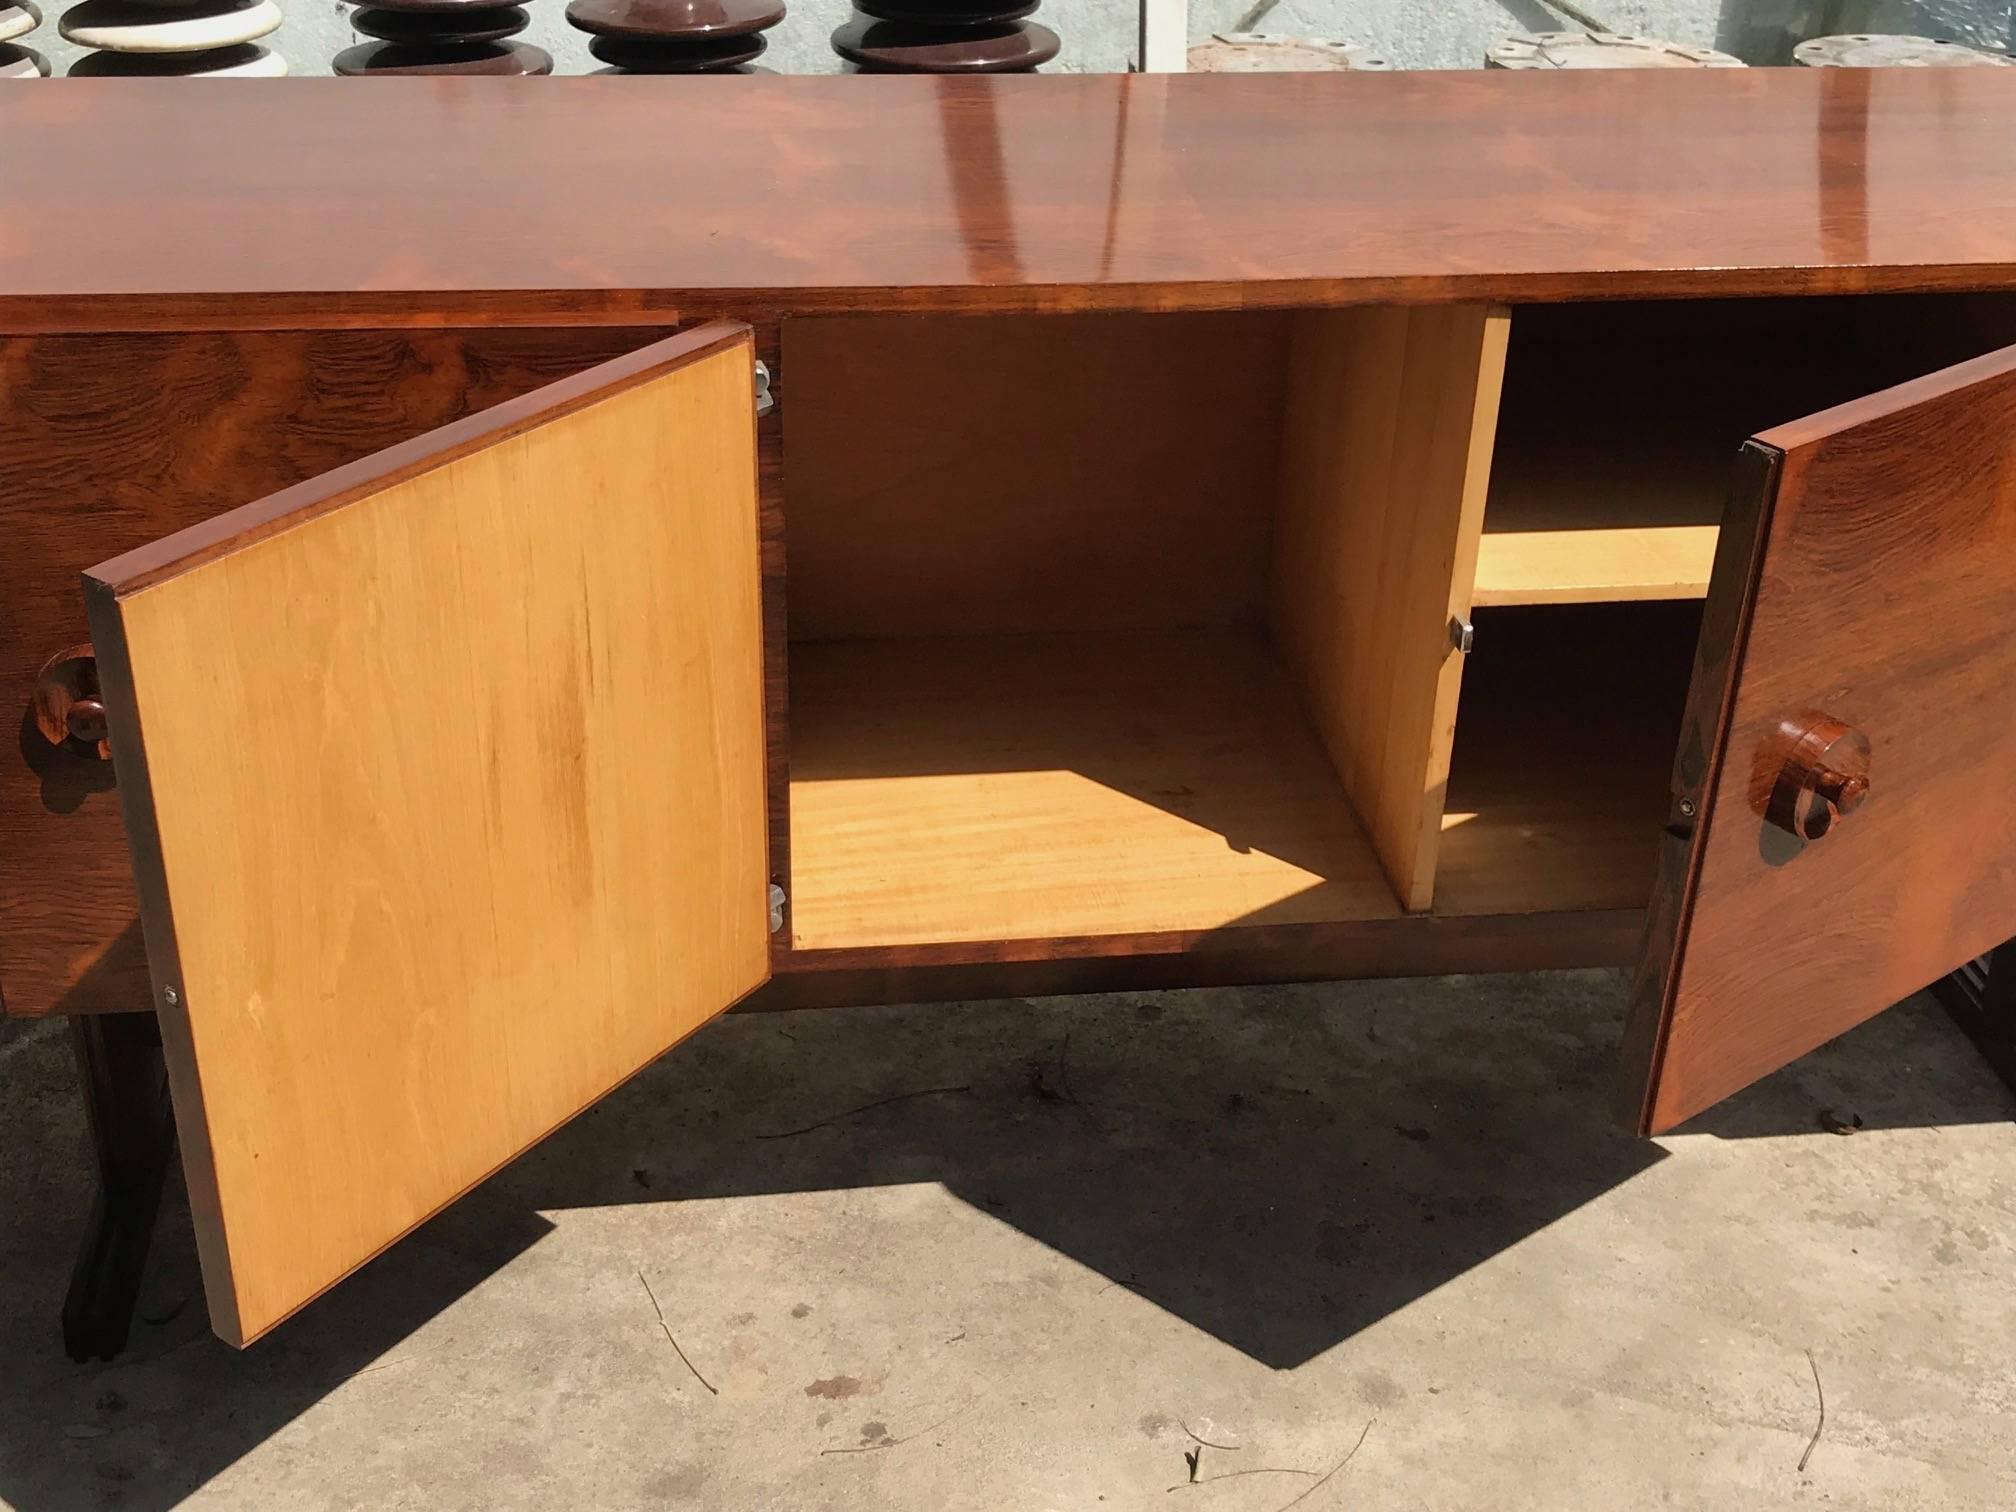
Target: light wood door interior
(445,776)
(1116,625)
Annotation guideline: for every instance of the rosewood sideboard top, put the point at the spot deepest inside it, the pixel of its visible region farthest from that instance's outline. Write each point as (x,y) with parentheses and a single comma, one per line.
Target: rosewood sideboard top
(153,205)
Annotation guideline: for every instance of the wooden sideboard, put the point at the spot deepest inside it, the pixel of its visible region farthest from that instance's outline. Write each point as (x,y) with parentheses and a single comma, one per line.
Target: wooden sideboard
(970,536)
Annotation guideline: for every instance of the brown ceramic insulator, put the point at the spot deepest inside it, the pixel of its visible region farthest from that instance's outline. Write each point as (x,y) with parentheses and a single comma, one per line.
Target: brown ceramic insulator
(676,36)
(674,19)
(989,46)
(247,60)
(490,23)
(430,7)
(703,55)
(441,37)
(945,12)
(400,59)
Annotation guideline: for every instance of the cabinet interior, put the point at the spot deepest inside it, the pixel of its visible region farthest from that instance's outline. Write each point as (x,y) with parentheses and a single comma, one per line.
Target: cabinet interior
(1115,625)
(1619,421)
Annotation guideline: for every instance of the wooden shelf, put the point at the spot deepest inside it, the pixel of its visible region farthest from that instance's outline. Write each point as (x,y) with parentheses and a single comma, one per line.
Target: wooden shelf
(1026,787)
(1616,435)
(1620,514)
(1594,566)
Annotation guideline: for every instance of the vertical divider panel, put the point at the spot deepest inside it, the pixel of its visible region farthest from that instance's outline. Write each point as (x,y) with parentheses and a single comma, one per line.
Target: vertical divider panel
(1385,461)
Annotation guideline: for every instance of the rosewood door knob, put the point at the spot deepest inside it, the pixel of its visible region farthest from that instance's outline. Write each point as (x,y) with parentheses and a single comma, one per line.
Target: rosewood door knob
(86,721)
(68,710)
(1842,792)
(1821,776)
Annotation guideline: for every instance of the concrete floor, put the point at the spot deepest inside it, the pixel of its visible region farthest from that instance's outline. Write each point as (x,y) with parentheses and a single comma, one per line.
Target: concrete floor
(1288,1221)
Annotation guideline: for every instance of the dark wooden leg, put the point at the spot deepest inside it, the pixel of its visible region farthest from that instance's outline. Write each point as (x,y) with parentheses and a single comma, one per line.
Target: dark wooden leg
(1981,997)
(133,1132)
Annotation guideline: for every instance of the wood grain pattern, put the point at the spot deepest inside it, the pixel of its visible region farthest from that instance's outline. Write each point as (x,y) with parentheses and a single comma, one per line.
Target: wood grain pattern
(396,942)
(962,476)
(1064,192)
(107,442)
(1386,456)
(1906,498)
(1725,618)
(1045,786)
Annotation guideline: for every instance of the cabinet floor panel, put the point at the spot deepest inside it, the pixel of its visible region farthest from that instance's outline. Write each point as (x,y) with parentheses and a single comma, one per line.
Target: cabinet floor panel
(1558,784)
(1036,787)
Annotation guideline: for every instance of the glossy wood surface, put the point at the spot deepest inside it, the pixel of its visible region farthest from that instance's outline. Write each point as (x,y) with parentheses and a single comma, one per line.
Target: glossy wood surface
(1869,577)
(108,442)
(394,944)
(155,203)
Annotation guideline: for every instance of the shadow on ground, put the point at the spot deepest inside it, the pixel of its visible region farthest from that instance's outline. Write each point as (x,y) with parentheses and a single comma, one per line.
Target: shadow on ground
(1279,1167)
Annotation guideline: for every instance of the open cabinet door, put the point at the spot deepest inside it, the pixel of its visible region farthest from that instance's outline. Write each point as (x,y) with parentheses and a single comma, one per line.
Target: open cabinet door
(444,776)
(1840,835)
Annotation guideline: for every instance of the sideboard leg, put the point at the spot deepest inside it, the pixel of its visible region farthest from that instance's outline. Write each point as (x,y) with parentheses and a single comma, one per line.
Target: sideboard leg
(133,1135)
(1981,997)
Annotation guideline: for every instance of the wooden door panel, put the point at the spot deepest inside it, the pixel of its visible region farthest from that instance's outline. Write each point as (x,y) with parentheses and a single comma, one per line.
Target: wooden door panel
(1866,591)
(444,775)
(110,441)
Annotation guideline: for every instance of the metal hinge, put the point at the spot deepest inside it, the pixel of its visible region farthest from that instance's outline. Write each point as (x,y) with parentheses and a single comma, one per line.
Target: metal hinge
(764,402)
(776,908)
(1462,636)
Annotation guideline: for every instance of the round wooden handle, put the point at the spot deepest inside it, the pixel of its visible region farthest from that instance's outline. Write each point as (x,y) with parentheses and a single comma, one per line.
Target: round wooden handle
(1822,776)
(86,720)
(68,710)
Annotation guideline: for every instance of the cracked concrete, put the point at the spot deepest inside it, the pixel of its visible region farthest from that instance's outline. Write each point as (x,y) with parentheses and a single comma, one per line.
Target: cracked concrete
(1110,1228)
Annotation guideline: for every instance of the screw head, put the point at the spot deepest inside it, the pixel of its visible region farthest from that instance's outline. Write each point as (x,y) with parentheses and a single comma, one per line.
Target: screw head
(1687,808)
(170,996)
